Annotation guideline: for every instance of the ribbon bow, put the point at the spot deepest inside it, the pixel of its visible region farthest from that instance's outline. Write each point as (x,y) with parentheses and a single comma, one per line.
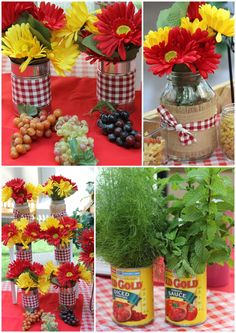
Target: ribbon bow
(185,136)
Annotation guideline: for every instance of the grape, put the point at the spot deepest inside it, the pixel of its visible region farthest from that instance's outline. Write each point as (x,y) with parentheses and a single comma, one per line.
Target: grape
(119,141)
(112,137)
(130,140)
(127,128)
(117,131)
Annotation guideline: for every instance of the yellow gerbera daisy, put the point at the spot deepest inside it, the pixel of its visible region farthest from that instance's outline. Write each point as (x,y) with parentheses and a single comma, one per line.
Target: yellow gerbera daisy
(34,190)
(63,59)
(76,17)
(6,193)
(192,26)
(64,188)
(49,223)
(92,18)
(84,273)
(49,187)
(18,42)
(156,37)
(24,281)
(50,268)
(219,20)
(21,224)
(43,283)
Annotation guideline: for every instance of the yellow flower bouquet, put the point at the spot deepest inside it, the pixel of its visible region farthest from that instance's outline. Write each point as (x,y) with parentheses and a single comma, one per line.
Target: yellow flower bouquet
(59,187)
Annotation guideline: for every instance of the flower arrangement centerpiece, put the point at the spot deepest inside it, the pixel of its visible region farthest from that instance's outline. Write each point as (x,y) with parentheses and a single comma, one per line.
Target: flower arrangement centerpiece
(197,233)
(58,188)
(184,49)
(59,232)
(31,38)
(66,276)
(31,278)
(20,192)
(113,38)
(21,233)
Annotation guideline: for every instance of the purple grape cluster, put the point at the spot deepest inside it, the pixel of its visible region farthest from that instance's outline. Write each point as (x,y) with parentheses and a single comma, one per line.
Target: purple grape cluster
(119,130)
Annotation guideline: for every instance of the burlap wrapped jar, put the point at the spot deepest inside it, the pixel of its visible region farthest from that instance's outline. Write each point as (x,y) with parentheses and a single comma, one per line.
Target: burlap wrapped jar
(58,208)
(190,99)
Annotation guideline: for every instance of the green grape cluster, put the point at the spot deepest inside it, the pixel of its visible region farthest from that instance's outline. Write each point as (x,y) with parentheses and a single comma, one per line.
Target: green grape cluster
(74,147)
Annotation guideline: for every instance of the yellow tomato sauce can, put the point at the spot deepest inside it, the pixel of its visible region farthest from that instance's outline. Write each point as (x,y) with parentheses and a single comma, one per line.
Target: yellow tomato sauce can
(185,299)
(132,293)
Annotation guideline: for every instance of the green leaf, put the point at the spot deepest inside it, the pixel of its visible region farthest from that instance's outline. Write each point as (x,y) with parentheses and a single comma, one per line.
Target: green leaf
(79,156)
(171,235)
(91,44)
(171,16)
(31,110)
(211,230)
(199,247)
(191,213)
(198,266)
(195,195)
(179,241)
(188,268)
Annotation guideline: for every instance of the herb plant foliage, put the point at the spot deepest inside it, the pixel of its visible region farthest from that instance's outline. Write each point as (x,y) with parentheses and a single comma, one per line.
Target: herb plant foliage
(130,214)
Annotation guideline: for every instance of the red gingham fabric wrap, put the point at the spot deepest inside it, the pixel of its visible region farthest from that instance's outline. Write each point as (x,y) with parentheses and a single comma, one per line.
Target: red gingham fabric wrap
(220,313)
(62,254)
(116,88)
(185,136)
(67,299)
(32,91)
(31,300)
(60,214)
(23,254)
(18,215)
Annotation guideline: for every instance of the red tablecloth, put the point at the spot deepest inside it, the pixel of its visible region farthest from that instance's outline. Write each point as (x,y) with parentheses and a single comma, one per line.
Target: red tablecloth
(74,96)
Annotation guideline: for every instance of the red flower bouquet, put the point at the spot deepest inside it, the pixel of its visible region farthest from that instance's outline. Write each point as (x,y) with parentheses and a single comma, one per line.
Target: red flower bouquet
(86,240)
(117,33)
(59,187)
(20,191)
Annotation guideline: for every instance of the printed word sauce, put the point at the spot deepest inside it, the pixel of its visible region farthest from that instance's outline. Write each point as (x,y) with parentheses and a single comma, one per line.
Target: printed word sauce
(132,292)
(185,299)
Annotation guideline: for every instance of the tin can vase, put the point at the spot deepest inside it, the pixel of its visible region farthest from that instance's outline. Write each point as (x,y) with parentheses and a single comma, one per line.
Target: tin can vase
(67,297)
(185,299)
(30,299)
(31,89)
(22,211)
(189,109)
(58,208)
(24,254)
(226,131)
(218,276)
(116,84)
(132,292)
(62,254)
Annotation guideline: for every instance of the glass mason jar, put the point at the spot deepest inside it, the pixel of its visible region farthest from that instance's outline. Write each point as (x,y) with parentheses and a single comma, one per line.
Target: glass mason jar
(226,131)
(31,89)
(58,208)
(116,83)
(155,147)
(190,99)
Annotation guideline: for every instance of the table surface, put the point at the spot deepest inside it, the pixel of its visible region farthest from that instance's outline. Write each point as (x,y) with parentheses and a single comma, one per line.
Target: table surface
(73,95)
(220,316)
(49,303)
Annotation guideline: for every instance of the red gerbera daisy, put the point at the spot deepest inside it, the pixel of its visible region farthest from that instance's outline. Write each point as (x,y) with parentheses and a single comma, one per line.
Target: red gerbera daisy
(53,235)
(16,184)
(68,274)
(50,15)
(87,258)
(180,49)
(119,27)
(86,240)
(37,268)
(32,230)
(193,10)
(69,223)
(12,10)
(16,268)
(8,231)
(209,60)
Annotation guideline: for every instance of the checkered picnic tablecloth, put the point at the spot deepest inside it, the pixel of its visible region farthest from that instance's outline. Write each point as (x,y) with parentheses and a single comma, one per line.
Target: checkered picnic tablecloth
(87,317)
(220,311)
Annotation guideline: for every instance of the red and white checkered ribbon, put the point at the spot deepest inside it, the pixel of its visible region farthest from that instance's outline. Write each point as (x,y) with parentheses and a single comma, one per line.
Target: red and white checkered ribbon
(30,300)
(59,214)
(185,136)
(18,215)
(24,254)
(67,297)
(62,254)
(32,91)
(116,88)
